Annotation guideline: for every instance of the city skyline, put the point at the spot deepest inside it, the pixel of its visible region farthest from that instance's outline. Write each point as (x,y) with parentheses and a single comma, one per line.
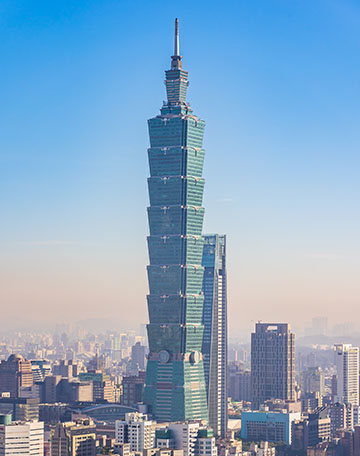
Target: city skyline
(282,163)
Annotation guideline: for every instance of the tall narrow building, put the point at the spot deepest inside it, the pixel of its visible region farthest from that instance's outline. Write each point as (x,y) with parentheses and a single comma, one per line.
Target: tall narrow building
(347,371)
(215,331)
(272,363)
(175,385)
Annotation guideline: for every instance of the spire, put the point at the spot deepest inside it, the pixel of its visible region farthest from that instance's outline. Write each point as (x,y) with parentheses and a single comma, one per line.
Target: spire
(176,63)
(176,47)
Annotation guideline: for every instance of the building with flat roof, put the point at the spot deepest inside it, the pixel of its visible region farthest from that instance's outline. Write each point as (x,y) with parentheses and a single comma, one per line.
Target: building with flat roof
(137,430)
(73,439)
(268,426)
(347,372)
(133,389)
(272,363)
(21,409)
(21,437)
(214,346)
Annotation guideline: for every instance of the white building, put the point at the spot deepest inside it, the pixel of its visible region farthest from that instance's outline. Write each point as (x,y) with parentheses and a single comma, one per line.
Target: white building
(347,367)
(21,438)
(205,443)
(185,436)
(136,430)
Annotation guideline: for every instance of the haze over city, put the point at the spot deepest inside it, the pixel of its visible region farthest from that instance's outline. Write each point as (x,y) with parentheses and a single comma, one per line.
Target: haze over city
(277,83)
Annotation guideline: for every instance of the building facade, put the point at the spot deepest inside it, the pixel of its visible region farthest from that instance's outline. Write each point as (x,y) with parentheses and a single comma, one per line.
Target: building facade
(268,426)
(175,386)
(133,389)
(240,386)
(347,372)
(341,417)
(136,430)
(272,363)
(102,387)
(21,437)
(15,374)
(73,439)
(214,348)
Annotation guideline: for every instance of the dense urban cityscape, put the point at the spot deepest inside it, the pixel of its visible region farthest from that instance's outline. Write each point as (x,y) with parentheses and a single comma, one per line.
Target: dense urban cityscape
(181,385)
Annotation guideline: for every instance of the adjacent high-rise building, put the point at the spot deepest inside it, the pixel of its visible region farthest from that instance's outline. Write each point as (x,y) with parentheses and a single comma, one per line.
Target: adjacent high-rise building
(214,348)
(137,358)
(133,389)
(347,371)
(175,386)
(272,363)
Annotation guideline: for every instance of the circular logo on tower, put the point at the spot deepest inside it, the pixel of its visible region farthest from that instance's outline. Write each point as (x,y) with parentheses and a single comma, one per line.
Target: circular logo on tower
(195,357)
(164,356)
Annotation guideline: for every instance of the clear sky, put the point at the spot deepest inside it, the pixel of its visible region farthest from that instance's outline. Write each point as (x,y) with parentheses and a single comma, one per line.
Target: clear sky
(277,82)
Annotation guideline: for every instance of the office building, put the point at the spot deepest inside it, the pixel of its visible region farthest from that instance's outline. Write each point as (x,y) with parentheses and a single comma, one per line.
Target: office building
(205,443)
(15,374)
(272,363)
(49,389)
(137,357)
(133,389)
(21,409)
(311,401)
(240,386)
(40,368)
(268,426)
(75,391)
(341,417)
(102,388)
(347,372)
(73,439)
(312,381)
(175,386)
(21,437)
(319,426)
(214,348)
(137,430)
(67,368)
(184,436)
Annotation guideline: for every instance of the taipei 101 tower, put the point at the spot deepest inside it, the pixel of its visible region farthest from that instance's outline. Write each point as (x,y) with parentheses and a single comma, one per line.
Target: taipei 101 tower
(175,386)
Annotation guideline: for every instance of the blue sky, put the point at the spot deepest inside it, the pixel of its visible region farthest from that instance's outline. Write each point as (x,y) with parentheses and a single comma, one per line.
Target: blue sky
(278,85)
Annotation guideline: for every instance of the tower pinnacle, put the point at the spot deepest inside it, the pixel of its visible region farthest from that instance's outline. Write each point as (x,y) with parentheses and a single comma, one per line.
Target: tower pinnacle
(176,47)
(176,63)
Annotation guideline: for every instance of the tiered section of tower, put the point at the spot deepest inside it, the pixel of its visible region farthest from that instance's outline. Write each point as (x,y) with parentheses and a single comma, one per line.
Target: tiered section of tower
(175,385)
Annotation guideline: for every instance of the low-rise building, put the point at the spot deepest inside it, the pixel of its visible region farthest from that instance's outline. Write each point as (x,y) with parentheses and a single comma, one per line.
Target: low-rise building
(268,426)
(73,439)
(205,443)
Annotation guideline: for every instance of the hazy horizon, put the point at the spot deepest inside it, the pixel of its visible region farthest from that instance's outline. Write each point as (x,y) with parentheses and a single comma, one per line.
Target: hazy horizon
(278,86)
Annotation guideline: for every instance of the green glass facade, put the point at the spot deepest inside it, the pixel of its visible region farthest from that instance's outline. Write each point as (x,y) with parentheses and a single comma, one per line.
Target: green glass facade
(175,385)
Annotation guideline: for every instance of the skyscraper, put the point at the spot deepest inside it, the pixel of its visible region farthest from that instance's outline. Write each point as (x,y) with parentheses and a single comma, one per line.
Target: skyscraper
(347,371)
(175,384)
(272,363)
(215,331)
